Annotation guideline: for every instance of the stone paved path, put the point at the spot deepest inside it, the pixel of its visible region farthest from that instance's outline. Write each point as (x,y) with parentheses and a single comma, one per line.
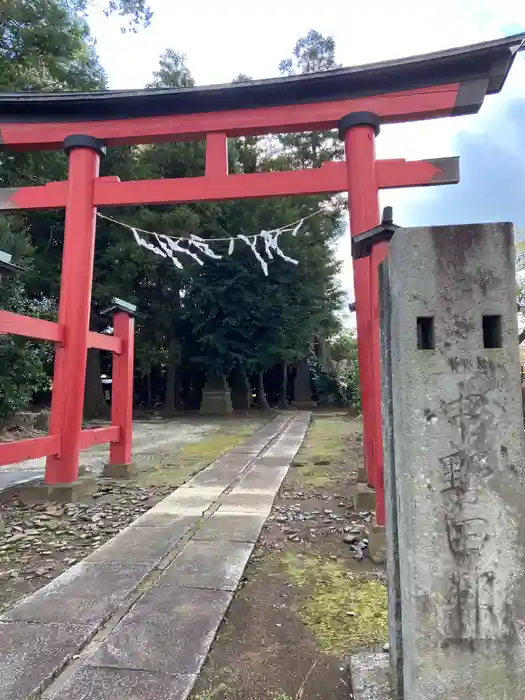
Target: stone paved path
(147,436)
(137,617)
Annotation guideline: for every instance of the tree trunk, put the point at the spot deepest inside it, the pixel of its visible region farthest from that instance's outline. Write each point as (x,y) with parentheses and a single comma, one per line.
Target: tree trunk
(149,390)
(241,390)
(95,405)
(171,375)
(283,393)
(261,393)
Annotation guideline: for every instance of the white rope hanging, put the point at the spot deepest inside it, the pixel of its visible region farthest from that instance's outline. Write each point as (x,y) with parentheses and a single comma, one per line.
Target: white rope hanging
(195,246)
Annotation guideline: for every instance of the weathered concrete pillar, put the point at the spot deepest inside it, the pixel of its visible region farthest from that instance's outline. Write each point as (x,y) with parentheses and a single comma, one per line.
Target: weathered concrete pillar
(392,544)
(216,397)
(456,441)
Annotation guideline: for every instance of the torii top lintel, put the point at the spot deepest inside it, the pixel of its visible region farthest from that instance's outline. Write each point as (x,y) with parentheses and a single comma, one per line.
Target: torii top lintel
(445,83)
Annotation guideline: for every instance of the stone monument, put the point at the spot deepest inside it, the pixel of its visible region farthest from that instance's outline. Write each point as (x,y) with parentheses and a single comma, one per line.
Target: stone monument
(454,448)
(216,397)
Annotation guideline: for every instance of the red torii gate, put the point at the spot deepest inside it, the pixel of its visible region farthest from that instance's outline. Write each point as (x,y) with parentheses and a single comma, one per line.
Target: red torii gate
(354,100)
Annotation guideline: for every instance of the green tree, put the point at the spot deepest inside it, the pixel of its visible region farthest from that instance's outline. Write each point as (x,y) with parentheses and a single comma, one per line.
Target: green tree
(250,322)
(44,45)
(24,364)
(312,53)
(136,12)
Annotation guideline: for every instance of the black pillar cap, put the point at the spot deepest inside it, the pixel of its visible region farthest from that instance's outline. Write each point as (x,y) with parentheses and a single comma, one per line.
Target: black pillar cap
(363,243)
(358,119)
(83,141)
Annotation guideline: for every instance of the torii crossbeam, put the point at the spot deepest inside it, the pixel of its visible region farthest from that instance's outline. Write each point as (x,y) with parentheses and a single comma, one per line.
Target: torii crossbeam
(354,100)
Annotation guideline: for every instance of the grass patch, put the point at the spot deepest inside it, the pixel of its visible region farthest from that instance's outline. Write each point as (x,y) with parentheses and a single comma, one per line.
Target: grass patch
(345,613)
(178,464)
(323,452)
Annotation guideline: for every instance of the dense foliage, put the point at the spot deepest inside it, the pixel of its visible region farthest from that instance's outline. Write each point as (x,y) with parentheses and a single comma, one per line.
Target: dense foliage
(225,317)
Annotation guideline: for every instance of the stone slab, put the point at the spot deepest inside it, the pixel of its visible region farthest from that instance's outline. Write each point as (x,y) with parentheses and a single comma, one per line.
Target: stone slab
(231,527)
(115,684)
(249,501)
(139,545)
(369,674)
(119,471)
(377,543)
(228,461)
(287,445)
(251,450)
(267,462)
(263,479)
(32,654)
(247,508)
(365,498)
(215,565)
(168,631)
(178,509)
(192,492)
(188,500)
(178,522)
(39,492)
(218,477)
(87,594)
(459,455)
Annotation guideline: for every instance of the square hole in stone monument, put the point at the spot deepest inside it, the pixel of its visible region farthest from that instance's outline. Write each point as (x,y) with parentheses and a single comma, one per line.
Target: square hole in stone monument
(492,337)
(425,333)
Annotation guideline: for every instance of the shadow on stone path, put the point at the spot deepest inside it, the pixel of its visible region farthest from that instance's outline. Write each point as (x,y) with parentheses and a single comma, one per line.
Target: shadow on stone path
(137,617)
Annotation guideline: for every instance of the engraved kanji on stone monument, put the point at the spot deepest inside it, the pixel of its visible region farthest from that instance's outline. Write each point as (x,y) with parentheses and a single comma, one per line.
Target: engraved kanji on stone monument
(456,466)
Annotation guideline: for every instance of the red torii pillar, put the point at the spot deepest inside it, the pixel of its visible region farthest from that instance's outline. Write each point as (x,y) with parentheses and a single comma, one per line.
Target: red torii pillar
(359,130)
(76,280)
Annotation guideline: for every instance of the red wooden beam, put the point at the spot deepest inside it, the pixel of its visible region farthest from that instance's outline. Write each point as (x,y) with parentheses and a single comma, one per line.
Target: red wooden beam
(21,450)
(216,155)
(327,179)
(101,341)
(51,196)
(29,327)
(417,173)
(405,106)
(99,436)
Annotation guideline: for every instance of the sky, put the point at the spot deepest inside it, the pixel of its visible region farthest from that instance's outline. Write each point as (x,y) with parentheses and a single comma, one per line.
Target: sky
(224,38)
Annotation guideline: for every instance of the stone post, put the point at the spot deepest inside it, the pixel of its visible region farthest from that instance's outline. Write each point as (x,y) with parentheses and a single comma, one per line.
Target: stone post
(454,448)
(392,544)
(216,397)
